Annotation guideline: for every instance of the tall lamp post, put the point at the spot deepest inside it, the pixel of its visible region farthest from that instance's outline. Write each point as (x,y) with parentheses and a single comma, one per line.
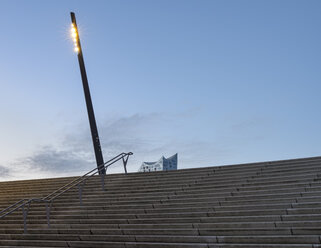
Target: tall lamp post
(90,109)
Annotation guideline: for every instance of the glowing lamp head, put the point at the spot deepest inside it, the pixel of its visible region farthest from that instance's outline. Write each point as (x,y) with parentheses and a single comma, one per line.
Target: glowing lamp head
(73,31)
(74,35)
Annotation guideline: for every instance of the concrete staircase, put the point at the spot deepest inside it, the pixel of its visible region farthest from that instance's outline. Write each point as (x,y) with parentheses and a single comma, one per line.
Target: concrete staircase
(271,205)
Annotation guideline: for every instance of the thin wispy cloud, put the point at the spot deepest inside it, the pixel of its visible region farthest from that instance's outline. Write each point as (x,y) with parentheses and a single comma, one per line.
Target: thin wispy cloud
(51,159)
(148,136)
(4,172)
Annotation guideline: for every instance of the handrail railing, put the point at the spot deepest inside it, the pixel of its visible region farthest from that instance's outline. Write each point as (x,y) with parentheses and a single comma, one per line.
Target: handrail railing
(48,200)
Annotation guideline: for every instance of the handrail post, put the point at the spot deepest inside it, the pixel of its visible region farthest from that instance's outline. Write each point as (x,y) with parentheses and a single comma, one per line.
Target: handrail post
(80,193)
(102,181)
(125,163)
(48,208)
(24,214)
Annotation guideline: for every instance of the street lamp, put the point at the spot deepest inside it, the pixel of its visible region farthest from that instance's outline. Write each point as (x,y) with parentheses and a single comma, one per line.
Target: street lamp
(90,109)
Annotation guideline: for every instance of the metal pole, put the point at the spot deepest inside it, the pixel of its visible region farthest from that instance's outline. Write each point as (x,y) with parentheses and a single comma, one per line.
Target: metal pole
(90,109)
(24,214)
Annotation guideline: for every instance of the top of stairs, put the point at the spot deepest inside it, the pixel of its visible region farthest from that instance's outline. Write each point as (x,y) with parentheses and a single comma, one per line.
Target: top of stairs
(267,204)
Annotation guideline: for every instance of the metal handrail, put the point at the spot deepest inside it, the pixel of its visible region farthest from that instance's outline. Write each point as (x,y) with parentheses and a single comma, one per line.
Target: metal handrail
(86,176)
(80,181)
(13,205)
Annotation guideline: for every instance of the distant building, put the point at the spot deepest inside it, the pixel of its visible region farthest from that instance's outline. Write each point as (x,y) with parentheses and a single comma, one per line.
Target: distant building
(163,164)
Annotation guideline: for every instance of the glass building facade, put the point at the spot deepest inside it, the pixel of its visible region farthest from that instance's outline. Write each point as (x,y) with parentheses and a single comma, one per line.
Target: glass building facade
(163,164)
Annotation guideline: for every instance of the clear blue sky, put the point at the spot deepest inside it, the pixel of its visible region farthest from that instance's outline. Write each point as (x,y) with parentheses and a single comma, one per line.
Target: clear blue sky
(219,82)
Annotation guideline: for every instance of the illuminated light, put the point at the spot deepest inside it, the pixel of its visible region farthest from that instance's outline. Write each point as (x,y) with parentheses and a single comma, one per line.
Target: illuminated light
(74,35)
